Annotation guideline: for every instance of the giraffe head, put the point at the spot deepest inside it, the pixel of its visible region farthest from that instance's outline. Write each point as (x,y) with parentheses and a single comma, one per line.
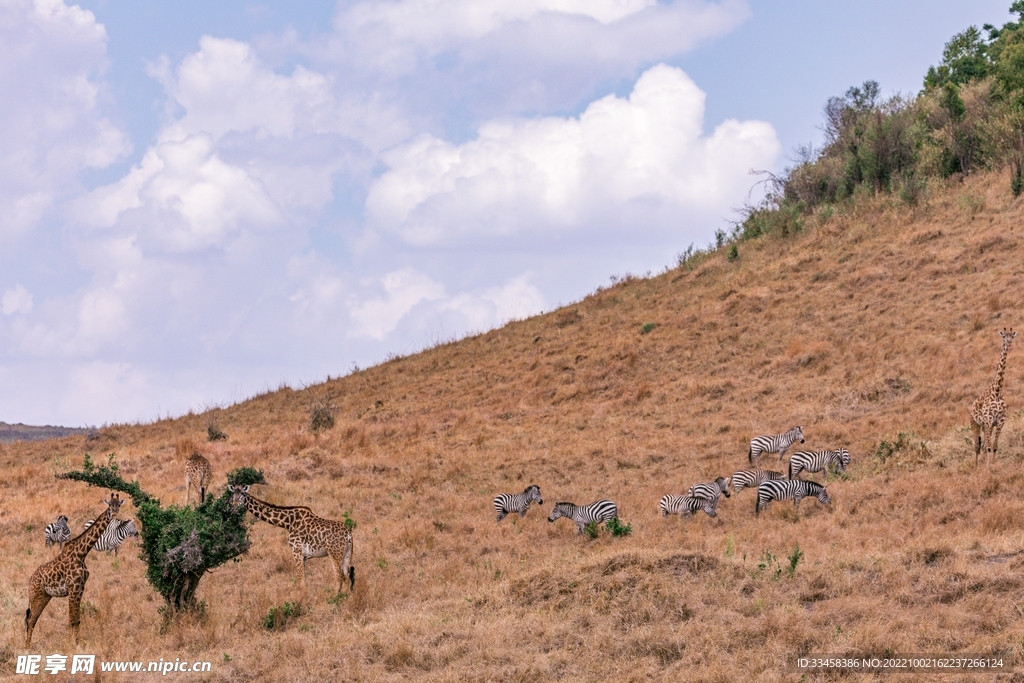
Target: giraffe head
(114,504)
(239,494)
(1007,335)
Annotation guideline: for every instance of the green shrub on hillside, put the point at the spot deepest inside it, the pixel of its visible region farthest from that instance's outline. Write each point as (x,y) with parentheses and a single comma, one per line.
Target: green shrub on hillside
(968,117)
(179,544)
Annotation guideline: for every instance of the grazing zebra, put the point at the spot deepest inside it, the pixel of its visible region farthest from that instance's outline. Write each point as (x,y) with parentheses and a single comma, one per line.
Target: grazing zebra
(753,478)
(506,503)
(779,443)
(816,461)
(710,490)
(797,489)
(598,512)
(684,506)
(117,531)
(58,532)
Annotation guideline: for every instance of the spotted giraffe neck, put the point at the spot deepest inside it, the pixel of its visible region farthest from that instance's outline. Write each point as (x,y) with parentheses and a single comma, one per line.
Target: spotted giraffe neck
(83,543)
(997,384)
(269,513)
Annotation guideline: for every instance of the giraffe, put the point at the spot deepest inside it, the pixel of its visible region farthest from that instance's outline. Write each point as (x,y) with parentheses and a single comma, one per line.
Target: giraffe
(989,412)
(308,535)
(66,574)
(199,473)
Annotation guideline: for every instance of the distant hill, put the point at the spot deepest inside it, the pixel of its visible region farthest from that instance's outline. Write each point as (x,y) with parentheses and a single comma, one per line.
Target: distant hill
(19,432)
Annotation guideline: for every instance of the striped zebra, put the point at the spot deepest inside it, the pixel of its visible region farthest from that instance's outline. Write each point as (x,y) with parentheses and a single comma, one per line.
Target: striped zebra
(58,533)
(797,489)
(507,503)
(779,443)
(684,506)
(598,512)
(710,490)
(115,534)
(753,478)
(816,461)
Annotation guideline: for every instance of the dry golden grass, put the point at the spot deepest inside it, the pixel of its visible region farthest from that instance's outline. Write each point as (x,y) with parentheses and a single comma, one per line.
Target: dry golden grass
(874,322)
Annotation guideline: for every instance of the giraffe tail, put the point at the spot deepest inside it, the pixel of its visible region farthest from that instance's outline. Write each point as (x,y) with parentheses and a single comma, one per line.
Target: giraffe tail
(351,578)
(28,613)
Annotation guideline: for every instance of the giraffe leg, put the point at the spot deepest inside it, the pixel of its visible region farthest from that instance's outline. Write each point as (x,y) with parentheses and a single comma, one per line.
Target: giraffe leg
(37,604)
(75,613)
(299,559)
(976,430)
(994,439)
(188,489)
(346,566)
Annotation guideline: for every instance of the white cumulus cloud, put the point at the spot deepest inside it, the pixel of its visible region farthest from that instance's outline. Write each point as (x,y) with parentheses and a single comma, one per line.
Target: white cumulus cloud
(646,153)
(16,300)
(52,121)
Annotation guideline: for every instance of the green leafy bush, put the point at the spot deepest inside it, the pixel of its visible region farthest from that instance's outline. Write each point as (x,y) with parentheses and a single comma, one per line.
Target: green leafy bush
(617,528)
(179,544)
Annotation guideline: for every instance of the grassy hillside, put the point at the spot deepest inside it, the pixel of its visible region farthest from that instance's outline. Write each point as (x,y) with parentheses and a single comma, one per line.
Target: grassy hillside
(878,323)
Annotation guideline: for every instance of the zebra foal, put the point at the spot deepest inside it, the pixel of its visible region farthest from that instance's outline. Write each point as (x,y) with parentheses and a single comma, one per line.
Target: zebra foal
(115,534)
(816,461)
(58,532)
(684,506)
(710,490)
(779,443)
(797,489)
(507,503)
(753,478)
(582,515)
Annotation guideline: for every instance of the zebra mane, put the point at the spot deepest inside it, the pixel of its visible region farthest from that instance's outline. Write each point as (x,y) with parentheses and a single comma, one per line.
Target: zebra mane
(531,486)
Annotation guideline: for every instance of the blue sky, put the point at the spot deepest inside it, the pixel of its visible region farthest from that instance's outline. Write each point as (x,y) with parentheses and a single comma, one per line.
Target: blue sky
(204,200)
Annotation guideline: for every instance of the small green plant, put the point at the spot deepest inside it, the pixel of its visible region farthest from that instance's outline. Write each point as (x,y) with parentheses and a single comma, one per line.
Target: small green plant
(647,327)
(734,253)
(337,599)
(769,565)
(382,564)
(346,519)
(617,528)
(730,546)
(591,530)
(278,617)
(794,559)
(227,657)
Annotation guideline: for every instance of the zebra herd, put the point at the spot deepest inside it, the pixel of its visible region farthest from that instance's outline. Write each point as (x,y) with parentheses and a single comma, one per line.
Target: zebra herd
(704,497)
(58,533)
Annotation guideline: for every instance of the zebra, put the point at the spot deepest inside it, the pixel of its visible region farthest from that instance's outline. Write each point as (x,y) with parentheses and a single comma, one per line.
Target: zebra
(598,512)
(753,478)
(506,503)
(710,490)
(779,443)
(796,489)
(58,533)
(116,533)
(684,506)
(816,461)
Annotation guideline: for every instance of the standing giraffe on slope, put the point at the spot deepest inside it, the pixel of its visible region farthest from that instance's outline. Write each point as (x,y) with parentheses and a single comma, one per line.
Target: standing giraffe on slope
(198,473)
(65,575)
(308,535)
(989,412)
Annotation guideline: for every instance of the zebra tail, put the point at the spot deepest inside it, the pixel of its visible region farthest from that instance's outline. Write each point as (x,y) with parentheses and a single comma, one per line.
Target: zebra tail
(750,453)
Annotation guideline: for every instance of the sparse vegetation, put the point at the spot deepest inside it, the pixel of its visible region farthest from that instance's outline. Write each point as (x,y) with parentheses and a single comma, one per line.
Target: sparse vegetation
(889,314)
